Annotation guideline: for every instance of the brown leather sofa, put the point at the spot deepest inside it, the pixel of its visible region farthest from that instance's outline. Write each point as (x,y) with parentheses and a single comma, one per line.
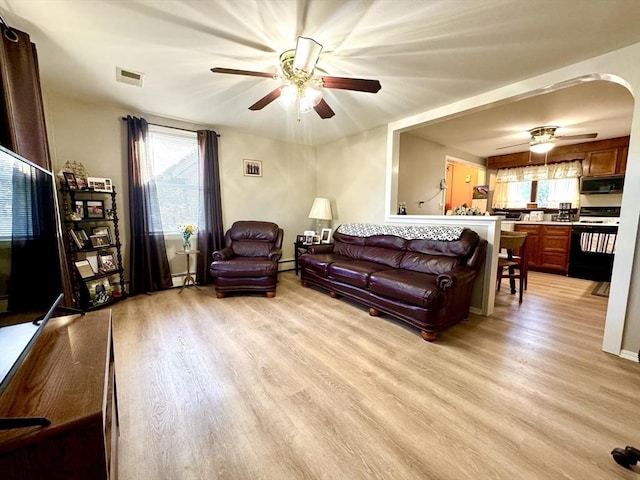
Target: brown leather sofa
(424,282)
(249,261)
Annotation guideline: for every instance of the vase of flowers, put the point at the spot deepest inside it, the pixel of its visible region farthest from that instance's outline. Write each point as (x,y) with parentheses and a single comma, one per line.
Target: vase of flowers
(187,230)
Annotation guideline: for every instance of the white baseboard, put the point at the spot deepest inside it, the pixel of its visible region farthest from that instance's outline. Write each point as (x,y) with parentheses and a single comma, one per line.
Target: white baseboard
(629,355)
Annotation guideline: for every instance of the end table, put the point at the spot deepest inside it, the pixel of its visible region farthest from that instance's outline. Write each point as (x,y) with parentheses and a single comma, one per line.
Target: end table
(188,279)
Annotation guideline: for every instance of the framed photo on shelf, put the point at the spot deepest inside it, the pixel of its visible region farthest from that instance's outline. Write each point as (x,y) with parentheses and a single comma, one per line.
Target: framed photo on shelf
(107,262)
(325,235)
(252,168)
(78,210)
(316,239)
(76,239)
(94,208)
(84,269)
(300,239)
(99,291)
(102,231)
(70,180)
(98,241)
(98,184)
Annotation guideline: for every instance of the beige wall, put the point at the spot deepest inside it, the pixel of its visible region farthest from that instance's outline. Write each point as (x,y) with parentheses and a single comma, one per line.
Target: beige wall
(422,164)
(95,135)
(351,173)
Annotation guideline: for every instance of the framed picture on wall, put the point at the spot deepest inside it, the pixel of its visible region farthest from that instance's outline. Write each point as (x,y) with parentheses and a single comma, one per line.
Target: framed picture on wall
(252,168)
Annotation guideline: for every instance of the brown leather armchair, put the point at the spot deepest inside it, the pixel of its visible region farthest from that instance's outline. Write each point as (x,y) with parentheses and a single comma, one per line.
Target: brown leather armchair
(249,262)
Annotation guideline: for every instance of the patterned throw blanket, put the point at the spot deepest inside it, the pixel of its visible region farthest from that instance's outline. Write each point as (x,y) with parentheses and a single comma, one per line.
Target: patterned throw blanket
(409,232)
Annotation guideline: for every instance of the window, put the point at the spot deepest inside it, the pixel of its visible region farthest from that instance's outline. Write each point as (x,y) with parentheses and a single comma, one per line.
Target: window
(174,154)
(546,185)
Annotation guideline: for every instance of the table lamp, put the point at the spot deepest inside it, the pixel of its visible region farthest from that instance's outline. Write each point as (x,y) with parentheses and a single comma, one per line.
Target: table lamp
(320,210)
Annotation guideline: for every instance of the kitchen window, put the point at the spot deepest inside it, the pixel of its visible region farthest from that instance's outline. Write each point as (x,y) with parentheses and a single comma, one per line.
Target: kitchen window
(546,185)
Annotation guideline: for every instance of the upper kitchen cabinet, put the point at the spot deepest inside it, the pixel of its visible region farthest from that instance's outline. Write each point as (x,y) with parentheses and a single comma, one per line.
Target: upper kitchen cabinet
(609,161)
(604,157)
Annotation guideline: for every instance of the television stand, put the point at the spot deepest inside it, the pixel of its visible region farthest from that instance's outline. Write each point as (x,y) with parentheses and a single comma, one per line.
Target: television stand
(67,381)
(23,422)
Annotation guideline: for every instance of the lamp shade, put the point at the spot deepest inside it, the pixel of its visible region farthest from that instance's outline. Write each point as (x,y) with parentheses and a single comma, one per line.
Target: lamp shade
(321,209)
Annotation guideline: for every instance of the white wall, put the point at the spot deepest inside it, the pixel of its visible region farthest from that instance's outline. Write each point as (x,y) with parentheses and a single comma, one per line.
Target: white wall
(95,136)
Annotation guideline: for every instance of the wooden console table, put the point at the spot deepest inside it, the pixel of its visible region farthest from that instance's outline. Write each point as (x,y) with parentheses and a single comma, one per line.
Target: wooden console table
(69,378)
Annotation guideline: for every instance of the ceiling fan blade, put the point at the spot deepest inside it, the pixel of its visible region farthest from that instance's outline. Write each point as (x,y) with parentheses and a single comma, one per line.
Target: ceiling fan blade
(516,145)
(324,110)
(307,54)
(266,100)
(576,137)
(357,84)
(250,73)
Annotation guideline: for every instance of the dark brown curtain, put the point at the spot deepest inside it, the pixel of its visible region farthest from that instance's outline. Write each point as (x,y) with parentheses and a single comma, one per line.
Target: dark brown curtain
(148,255)
(22,125)
(211,232)
(21,112)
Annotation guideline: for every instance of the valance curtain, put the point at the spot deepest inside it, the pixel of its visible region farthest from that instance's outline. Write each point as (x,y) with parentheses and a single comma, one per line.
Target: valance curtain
(148,256)
(514,184)
(540,172)
(211,232)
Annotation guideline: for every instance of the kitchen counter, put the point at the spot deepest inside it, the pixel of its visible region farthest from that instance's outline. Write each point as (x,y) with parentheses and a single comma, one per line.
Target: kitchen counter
(510,224)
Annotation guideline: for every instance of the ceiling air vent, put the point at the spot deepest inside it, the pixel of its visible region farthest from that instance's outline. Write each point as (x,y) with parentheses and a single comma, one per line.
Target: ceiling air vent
(129,77)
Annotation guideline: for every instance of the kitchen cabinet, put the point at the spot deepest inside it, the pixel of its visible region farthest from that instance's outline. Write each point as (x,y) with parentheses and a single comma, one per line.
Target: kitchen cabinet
(611,161)
(602,157)
(547,247)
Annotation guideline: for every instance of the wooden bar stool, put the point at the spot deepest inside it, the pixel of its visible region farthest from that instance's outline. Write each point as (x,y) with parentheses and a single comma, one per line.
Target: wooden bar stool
(514,265)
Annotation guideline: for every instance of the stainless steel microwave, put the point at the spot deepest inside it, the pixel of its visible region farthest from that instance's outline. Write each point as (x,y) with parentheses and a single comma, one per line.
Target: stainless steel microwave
(609,184)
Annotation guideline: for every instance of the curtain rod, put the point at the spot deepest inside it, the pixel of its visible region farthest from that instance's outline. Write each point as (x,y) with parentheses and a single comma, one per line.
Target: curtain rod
(175,128)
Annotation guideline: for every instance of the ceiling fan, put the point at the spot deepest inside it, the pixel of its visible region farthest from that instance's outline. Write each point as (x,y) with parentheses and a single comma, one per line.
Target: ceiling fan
(543,139)
(300,88)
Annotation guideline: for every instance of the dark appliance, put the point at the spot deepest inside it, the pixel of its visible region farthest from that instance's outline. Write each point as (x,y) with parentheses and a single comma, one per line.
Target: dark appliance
(593,243)
(564,212)
(600,185)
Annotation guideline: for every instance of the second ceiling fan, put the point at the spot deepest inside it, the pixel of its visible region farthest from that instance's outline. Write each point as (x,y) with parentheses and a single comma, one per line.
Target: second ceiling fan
(543,139)
(300,87)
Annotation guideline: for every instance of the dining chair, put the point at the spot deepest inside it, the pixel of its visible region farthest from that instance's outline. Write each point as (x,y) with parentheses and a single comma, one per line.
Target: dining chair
(513,264)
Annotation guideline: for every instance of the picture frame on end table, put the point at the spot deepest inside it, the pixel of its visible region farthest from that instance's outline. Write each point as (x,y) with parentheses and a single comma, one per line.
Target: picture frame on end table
(308,237)
(325,235)
(300,239)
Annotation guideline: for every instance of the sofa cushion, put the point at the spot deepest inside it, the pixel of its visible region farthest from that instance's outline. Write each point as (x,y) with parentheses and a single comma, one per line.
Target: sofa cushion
(319,262)
(425,263)
(412,287)
(244,266)
(354,272)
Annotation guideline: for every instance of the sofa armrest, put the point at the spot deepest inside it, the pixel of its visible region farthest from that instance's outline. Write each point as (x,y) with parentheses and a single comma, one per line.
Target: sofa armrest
(459,276)
(224,254)
(321,249)
(275,254)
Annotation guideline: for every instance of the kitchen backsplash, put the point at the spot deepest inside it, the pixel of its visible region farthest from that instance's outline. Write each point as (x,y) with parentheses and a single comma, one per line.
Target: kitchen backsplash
(604,200)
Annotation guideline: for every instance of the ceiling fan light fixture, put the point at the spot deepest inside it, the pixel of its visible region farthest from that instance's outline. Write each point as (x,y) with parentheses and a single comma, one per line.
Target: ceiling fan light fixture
(306,55)
(543,146)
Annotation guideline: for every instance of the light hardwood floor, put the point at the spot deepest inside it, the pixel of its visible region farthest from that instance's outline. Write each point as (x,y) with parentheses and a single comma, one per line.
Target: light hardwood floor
(303,386)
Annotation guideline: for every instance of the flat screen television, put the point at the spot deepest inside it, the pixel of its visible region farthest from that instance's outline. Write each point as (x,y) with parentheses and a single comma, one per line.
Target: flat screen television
(30,277)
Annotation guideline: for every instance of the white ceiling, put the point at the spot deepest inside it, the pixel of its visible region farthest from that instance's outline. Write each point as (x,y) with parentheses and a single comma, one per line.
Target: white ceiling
(425,54)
